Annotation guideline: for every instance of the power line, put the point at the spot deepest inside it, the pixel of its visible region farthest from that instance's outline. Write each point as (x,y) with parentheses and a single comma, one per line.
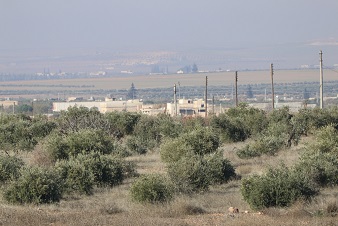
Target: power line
(330,69)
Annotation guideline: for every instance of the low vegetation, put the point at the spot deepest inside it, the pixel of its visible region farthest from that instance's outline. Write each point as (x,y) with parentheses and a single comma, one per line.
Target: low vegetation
(152,188)
(90,155)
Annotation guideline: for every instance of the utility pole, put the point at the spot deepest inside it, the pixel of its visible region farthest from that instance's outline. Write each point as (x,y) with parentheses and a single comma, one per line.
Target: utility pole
(321,78)
(179,90)
(232,91)
(236,90)
(272,87)
(206,96)
(175,101)
(213,104)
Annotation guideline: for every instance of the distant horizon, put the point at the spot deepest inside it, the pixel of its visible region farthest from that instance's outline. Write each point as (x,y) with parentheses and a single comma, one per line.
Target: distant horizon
(85,35)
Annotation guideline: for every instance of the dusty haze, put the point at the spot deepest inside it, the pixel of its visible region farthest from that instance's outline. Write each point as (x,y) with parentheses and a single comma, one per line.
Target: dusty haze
(241,34)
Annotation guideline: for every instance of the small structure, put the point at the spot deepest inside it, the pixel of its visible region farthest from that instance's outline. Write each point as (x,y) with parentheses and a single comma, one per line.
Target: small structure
(187,107)
(8,103)
(102,106)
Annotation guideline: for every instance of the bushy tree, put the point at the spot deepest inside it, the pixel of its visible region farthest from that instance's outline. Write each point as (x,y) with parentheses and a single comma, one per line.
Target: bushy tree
(86,170)
(122,123)
(151,130)
(61,146)
(189,174)
(193,173)
(107,170)
(20,132)
(10,167)
(24,108)
(279,187)
(320,160)
(220,170)
(79,118)
(152,188)
(35,185)
(173,150)
(201,141)
(191,123)
(75,176)
(239,123)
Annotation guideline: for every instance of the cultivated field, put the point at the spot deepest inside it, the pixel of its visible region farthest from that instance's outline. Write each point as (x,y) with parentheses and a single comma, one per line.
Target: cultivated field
(165,81)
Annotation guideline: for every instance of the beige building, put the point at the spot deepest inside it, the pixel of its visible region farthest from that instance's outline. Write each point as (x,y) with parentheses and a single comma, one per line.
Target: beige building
(187,107)
(102,106)
(8,103)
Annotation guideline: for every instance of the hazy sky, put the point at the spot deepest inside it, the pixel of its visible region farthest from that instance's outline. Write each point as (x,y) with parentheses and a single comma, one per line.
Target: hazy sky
(166,24)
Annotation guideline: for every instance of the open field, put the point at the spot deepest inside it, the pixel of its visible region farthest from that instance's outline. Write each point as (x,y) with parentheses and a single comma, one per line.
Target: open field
(165,81)
(114,207)
(86,87)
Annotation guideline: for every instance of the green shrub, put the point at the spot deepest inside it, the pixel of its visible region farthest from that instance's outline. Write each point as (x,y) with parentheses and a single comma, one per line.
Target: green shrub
(151,130)
(320,161)
(20,132)
(76,176)
(193,173)
(122,123)
(322,168)
(202,140)
(279,187)
(230,129)
(153,188)
(189,174)
(320,118)
(35,185)
(146,133)
(10,167)
(174,149)
(219,170)
(94,169)
(278,135)
(264,144)
(136,145)
(82,118)
(121,150)
(302,121)
(239,123)
(41,126)
(326,140)
(107,171)
(129,169)
(191,123)
(64,146)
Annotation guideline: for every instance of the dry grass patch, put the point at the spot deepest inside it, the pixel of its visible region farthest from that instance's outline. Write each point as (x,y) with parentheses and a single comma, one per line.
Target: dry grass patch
(39,157)
(149,163)
(258,165)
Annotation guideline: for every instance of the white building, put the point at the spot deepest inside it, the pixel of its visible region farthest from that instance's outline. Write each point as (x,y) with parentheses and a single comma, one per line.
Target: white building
(102,106)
